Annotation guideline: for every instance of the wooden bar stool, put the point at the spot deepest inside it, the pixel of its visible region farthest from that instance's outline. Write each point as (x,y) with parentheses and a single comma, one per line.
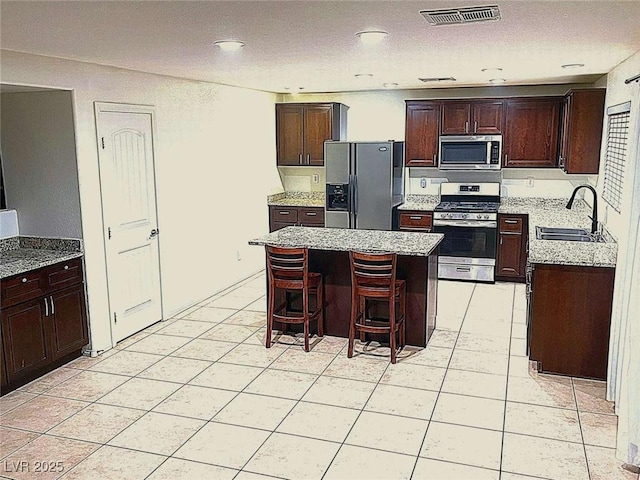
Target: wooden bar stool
(288,270)
(373,278)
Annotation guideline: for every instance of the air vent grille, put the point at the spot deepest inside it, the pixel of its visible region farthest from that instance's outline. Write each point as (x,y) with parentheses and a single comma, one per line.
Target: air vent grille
(461,15)
(437,79)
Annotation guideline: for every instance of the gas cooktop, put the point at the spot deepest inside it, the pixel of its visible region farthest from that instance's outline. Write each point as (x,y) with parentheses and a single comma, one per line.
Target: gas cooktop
(483,207)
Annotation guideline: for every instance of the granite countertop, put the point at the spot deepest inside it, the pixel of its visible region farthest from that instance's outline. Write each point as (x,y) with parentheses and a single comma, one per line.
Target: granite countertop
(341,239)
(420,202)
(297,199)
(22,254)
(552,212)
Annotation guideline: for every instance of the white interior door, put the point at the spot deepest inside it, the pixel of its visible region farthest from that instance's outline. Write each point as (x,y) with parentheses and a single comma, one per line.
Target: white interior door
(127,183)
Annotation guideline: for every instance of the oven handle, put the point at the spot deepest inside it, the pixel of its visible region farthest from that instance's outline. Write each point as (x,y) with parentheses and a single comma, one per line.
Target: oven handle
(465,223)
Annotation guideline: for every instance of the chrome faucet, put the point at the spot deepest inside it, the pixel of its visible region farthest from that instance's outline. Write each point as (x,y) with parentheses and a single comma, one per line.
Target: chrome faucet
(594,213)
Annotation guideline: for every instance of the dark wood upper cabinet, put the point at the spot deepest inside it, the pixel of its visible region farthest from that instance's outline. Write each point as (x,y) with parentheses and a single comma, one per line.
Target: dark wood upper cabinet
(531,132)
(581,133)
(302,128)
(483,117)
(421,133)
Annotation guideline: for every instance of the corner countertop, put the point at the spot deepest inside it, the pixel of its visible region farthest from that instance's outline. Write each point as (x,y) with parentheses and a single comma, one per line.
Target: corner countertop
(23,254)
(552,212)
(341,239)
(546,212)
(297,199)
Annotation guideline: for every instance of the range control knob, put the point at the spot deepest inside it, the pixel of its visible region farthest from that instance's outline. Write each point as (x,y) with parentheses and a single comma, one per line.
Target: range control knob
(464,215)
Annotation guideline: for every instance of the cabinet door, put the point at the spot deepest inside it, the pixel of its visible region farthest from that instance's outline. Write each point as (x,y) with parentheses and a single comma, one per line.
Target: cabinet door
(511,261)
(456,118)
(531,133)
(487,118)
(69,316)
(317,128)
(582,131)
(289,134)
(25,337)
(421,136)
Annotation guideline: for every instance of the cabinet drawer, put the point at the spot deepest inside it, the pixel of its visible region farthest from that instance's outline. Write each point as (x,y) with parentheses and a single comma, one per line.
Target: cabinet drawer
(64,274)
(283,214)
(422,221)
(22,288)
(313,216)
(511,225)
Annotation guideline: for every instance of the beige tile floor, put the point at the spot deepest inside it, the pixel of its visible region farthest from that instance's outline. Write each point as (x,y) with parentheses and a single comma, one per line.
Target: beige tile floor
(199,397)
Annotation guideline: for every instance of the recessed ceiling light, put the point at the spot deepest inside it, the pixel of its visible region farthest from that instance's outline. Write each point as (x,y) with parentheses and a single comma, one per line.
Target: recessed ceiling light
(363,76)
(372,36)
(389,85)
(497,80)
(491,70)
(229,45)
(570,66)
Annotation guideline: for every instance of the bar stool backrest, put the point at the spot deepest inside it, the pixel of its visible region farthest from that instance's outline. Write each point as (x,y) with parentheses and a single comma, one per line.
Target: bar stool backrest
(373,275)
(288,267)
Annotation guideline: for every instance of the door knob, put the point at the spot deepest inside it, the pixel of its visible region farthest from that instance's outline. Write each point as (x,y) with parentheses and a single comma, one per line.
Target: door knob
(154,233)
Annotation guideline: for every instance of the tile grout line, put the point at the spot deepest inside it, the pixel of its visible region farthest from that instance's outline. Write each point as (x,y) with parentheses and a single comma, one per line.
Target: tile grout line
(584,447)
(435,403)
(506,388)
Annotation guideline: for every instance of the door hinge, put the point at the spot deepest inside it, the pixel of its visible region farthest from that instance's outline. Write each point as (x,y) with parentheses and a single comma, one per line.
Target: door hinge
(115,317)
(103,143)
(109,232)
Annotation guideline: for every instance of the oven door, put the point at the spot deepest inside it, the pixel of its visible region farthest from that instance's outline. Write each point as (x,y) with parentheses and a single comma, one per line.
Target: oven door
(468,250)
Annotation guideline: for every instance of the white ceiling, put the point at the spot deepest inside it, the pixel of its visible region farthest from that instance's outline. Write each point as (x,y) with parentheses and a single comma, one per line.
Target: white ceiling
(312,44)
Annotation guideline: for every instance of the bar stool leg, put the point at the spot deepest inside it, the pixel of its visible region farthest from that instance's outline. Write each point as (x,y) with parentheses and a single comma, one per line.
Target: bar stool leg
(270,309)
(352,325)
(320,299)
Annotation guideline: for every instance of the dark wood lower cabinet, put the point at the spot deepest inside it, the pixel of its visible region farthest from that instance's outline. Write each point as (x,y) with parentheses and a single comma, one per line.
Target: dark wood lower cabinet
(512,248)
(569,320)
(280,217)
(25,337)
(41,332)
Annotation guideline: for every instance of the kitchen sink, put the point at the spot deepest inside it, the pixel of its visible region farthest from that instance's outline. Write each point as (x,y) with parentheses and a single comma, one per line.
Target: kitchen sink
(566,234)
(561,231)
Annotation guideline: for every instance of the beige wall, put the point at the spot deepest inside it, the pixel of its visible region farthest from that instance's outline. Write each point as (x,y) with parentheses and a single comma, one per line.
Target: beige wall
(39,160)
(215,164)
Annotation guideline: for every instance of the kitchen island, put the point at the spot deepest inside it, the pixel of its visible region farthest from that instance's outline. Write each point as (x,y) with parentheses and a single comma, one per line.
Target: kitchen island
(329,250)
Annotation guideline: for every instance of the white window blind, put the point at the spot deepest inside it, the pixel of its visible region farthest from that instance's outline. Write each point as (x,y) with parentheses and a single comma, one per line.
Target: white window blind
(616,154)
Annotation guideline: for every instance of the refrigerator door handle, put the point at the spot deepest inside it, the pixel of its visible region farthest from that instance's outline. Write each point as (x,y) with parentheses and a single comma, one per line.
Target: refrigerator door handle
(351,205)
(355,200)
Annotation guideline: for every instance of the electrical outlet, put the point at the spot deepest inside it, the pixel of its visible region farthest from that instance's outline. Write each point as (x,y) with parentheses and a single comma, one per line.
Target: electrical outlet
(529,181)
(423,182)
(315,178)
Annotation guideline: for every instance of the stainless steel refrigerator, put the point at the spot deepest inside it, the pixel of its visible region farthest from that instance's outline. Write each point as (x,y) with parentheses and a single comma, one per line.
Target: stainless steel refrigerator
(364,183)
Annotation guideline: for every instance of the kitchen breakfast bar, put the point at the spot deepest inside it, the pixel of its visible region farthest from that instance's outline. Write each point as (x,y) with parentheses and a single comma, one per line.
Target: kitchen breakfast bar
(417,264)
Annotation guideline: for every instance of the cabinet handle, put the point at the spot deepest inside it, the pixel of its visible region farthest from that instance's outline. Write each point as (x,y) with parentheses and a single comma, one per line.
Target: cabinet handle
(300,159)
(46,307)
(475,126)
(511,221)
(284,212)
(66,267)
(308,158)
(500,240)
(311,214)
(24,280)
(53,306)
(506,158)
(466,127)
(434,158)
(416,217)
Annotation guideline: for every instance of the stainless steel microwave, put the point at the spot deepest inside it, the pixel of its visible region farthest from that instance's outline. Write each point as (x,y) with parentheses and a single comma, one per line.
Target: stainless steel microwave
(470,152)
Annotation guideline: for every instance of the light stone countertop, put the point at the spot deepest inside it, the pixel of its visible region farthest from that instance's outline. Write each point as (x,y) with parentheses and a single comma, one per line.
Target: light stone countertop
(297,199)
(420,202)
(341,239)
(552,212)
(19,255)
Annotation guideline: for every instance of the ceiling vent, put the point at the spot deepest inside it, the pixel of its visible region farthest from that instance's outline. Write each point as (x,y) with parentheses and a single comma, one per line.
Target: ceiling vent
(437,79)
(456,16)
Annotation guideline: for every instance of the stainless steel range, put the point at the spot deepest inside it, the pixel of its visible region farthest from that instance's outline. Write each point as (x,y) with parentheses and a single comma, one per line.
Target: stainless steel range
(468,217)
